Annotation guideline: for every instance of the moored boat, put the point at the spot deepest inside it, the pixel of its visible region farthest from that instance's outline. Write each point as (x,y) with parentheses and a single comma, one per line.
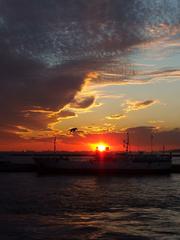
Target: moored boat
(105,162)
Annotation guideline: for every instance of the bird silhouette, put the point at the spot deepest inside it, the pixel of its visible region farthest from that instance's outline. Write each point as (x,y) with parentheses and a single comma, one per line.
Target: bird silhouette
(73,130)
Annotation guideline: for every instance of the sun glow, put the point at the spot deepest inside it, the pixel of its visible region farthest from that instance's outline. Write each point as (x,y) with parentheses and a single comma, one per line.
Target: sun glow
(101,147)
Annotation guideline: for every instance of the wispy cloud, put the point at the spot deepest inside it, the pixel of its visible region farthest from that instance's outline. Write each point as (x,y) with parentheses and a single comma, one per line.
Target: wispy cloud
(116,116)
(163,74)
(156,121)
(104,128)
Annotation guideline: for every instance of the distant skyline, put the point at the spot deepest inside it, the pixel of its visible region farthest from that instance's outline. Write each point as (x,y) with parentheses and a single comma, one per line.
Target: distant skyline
(104,67)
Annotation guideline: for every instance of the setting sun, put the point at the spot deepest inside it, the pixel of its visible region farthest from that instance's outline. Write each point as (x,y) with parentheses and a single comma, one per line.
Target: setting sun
(101,148)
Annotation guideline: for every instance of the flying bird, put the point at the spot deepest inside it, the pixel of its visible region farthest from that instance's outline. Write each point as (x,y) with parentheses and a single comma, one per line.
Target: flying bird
(73,130)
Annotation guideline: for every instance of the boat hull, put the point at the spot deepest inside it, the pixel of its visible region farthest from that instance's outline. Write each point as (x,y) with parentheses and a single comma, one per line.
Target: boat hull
(118,166)
(119,172)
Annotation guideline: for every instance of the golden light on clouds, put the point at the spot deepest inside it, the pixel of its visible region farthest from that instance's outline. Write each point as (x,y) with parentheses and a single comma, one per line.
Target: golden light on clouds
(91,76)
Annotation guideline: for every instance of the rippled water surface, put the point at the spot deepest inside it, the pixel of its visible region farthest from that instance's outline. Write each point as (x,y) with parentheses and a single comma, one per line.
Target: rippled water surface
(79,207)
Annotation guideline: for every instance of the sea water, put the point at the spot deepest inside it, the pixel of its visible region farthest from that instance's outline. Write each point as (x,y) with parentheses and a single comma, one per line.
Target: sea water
(89,207)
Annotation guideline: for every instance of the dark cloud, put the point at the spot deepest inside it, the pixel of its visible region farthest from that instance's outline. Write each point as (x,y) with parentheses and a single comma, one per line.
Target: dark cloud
(48,47)
(66,114)
(145,103)
(82,102)
(28,85)
(141,136)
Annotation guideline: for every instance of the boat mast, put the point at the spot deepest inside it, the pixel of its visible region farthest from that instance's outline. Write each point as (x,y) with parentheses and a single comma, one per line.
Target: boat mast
(54,144)
(152,138)
(164,149)
(127,142)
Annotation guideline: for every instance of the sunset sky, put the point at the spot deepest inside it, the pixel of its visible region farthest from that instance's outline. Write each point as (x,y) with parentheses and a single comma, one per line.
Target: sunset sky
(104,67)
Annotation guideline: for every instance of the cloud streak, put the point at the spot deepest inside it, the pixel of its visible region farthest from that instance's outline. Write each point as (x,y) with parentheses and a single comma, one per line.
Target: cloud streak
(138,105)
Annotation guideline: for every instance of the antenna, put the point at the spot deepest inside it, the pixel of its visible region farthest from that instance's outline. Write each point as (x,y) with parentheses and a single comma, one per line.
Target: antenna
(54,144)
